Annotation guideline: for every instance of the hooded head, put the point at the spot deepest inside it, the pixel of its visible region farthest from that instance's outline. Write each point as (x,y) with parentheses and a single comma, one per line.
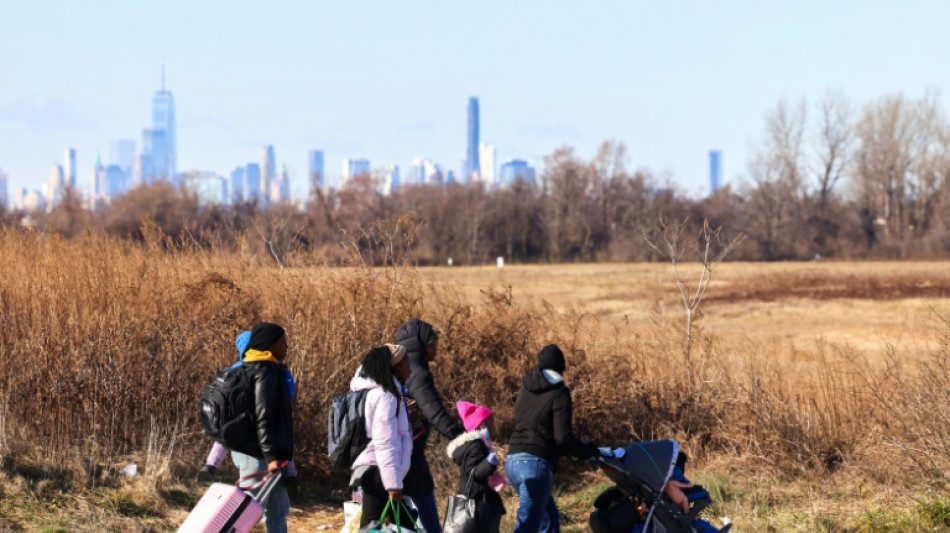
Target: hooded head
(551,358)
(472,415)
(268,342)
(416,336)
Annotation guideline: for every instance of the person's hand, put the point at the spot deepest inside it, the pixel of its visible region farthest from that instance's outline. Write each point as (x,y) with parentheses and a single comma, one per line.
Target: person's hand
(273,467)
(395,495)
(492,459)
(674,489)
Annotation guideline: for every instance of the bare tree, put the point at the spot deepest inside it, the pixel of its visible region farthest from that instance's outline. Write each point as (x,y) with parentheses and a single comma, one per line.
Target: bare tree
(674,242)
(899,167)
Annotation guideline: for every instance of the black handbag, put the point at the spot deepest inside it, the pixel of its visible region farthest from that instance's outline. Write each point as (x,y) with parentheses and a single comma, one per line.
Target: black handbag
(464,514)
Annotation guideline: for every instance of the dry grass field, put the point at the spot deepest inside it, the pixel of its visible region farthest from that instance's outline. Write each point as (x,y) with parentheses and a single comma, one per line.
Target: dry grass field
(815,397)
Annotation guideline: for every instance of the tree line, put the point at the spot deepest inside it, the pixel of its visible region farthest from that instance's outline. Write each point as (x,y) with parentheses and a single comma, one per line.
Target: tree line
(829,179)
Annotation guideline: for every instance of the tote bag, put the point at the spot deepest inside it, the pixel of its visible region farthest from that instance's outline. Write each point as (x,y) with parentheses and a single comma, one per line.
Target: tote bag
(464,514)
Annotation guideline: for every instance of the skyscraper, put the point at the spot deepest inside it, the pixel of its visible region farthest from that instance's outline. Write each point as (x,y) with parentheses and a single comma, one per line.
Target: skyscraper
(486,160)
(353,167)
(386,179)
(69,168)
(715,170)
(280,188)
(164,147)
(55,187)
(316,176)
(238,185)
(471,155)
(268,171)
(515,170)
(4,193)
(122,153)
(253,190)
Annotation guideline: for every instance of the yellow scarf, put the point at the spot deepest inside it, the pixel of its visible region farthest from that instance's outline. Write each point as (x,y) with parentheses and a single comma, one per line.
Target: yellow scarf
(257,356)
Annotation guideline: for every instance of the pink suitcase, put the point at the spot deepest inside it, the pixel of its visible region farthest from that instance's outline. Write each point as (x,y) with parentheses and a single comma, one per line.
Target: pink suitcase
(229,509)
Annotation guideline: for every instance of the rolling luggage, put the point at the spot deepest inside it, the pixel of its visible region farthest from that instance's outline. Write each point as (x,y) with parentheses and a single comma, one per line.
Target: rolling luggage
(229,508)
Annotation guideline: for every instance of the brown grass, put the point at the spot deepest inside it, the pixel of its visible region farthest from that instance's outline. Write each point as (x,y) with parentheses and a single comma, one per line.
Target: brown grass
(106,346)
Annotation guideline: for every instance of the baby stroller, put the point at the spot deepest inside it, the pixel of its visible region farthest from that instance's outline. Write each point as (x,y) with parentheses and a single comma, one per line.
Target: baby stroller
(637,504)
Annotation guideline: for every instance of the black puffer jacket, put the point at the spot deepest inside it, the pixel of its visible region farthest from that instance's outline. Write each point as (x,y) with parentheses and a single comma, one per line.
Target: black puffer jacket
(272,413)
(543,417)
(421,389)
(469,451)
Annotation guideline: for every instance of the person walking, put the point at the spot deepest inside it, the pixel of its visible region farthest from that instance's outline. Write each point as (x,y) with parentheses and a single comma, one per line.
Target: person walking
(477,461)
(273,445)
(379,470)
(421,342)
(542,434)
(219,451)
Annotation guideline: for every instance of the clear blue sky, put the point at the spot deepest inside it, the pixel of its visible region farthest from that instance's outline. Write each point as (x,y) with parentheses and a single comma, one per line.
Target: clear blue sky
(389,80)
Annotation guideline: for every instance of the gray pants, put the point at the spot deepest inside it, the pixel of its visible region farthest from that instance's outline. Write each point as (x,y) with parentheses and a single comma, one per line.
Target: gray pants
(277,506)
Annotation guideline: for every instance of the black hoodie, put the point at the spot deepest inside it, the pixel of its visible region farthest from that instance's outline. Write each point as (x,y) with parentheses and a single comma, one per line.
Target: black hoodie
(421,388)
(543,415)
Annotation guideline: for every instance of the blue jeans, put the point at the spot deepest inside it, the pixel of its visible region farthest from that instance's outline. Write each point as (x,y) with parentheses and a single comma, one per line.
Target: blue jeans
(533,478)
(277,505)
(428,512)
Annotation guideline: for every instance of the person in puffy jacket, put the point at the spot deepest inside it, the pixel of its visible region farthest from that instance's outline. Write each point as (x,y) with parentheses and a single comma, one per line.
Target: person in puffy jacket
(542,434)
(472,451)
(379,469)
(421,342)
(274,442)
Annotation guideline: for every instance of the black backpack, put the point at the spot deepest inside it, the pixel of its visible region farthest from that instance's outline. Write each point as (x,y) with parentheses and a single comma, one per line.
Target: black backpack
(227,408)
(346,428)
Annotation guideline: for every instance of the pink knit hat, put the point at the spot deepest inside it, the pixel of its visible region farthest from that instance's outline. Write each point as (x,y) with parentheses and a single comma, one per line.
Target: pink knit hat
(472,415)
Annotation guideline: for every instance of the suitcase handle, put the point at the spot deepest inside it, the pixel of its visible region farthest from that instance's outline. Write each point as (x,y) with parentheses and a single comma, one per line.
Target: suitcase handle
(266,484)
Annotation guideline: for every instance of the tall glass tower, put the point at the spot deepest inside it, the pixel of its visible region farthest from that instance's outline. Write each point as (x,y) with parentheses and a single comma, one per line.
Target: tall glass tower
(471,153)
(715,170)
(164,144)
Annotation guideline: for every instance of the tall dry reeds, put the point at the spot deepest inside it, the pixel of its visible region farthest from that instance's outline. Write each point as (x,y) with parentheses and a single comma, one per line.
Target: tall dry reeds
(105,346)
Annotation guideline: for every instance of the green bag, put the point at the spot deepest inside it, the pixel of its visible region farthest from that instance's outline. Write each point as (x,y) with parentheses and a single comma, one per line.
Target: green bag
(394,508)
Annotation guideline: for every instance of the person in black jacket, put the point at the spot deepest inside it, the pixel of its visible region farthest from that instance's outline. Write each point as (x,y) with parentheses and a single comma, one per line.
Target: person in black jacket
(274,442)
(421,342)
(472,451)
(542,434)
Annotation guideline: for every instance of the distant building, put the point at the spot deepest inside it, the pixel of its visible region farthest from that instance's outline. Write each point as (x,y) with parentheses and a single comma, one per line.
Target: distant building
(208,187)
(69,168)
(4,191)
(143,170)
(280,188)
(514,170)
(472,165)
(316,171)
(116,181)
(354,167)
(386,179)
(164,149)
(55,187)
(486,161)
(122,153)
(424,172)
(268,170)
(238,185)
(715,170)
(253,188)
(31,200)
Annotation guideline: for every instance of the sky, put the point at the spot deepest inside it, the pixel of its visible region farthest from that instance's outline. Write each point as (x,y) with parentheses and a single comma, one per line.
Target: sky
(390,80)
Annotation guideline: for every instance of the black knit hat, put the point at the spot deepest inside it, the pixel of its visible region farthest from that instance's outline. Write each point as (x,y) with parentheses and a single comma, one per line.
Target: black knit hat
(551,358)
(264,335)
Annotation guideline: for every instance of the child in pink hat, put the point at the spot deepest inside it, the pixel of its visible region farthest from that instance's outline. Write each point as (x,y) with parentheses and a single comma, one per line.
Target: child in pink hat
(472,451)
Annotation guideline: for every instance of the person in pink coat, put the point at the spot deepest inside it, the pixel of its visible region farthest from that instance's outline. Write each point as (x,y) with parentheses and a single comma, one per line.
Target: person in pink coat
(380,468)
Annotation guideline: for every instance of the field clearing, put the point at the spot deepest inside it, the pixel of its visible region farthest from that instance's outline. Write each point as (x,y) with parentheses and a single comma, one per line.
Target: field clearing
(814,396)
(865,306)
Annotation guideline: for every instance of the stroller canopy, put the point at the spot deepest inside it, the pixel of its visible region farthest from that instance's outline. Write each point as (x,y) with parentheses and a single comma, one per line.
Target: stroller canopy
(651,462)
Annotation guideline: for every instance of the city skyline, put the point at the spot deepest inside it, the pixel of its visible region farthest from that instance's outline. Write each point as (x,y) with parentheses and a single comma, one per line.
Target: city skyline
(670,82)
